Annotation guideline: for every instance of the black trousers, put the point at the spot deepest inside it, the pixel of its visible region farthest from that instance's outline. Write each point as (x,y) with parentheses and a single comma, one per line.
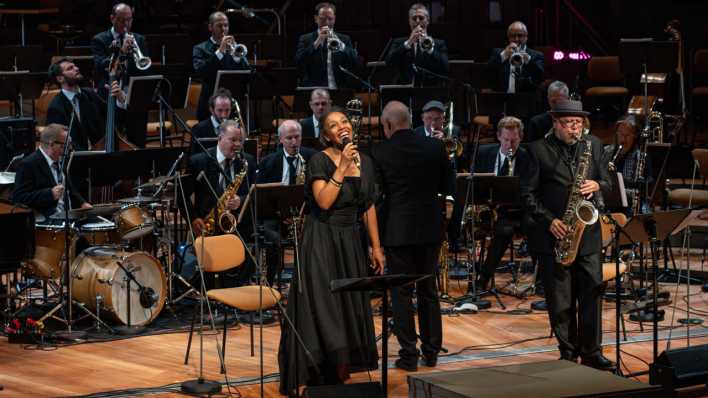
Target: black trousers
(573,296)
(419,259)
(503,234)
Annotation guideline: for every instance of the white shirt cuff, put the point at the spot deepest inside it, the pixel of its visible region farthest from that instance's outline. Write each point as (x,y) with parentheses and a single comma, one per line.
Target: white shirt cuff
(219,54)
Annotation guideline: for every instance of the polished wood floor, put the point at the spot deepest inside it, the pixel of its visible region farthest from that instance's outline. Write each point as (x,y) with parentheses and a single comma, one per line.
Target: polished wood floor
(490,338)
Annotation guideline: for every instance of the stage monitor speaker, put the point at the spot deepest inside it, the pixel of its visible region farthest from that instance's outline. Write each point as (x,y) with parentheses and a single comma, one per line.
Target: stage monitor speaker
(681,367)
(356,390)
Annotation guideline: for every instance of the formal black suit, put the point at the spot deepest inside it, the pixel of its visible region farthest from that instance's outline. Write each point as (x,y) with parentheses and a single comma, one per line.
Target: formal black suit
(33,185)
(135,122)
(489,161)
(545,194)
(92,110)
(531,72)
(312,62)
(413,171)
(308,127)
(403,58)
(539,126)
(270,169)
(206,65)
(203,129)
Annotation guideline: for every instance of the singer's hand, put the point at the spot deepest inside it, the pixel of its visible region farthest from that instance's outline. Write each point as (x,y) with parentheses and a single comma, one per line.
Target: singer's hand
(233,203)
(378,259)
(348,154)
(57,191)
(198,226)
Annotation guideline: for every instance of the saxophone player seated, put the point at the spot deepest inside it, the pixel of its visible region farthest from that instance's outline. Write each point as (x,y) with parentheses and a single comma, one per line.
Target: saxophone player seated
(224,168)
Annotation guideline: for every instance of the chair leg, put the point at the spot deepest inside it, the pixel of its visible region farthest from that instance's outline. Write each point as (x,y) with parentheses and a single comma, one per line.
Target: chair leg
(223,342)
(191,331)
(624,328)
(253,318)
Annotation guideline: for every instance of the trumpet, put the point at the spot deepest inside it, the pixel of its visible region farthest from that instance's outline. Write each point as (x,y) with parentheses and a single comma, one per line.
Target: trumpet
(333,42)
(141,62)
(426,43)
(517,57)
(238,50)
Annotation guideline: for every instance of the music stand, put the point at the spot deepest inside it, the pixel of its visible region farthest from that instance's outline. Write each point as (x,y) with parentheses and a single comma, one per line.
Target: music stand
(378,283)
(697,218)
(139,97)
(652,228)
(497,105)
(301,102)
(17,86)
(237,81)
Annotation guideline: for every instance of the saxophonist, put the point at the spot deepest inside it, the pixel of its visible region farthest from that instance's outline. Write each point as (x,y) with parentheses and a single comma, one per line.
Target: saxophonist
(573,292)
(286,165)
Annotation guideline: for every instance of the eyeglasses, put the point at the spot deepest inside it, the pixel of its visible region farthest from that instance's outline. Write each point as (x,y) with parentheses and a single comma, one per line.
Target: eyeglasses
(570,123)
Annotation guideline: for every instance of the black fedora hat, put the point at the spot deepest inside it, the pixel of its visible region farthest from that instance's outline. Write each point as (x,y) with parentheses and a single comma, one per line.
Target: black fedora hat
(568,108)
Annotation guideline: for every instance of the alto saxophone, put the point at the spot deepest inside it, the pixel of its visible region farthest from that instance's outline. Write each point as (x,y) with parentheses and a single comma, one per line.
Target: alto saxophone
(220,214)
(579,212)
(510,156)
(300,177)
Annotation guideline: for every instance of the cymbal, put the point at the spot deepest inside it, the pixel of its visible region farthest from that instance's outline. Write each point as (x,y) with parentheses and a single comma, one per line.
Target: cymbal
(157,181)
(7,178)
(137,199)
(100,209)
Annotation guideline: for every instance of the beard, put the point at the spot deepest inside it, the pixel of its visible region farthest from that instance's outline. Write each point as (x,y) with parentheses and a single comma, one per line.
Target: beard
(74,81)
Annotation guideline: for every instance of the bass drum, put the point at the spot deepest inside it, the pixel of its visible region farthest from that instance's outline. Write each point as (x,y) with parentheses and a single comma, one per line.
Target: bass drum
(96,272)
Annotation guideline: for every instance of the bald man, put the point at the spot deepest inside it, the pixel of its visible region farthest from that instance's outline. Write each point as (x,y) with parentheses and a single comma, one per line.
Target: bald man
(516,67)
(414,172)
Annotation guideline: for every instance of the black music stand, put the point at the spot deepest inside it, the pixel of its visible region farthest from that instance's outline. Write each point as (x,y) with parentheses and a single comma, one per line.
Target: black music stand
(382,284)
(652,228)
(380,73)
(238,82)
(269,86)
(659,56)
(21,85)
(497,105)
(301,102)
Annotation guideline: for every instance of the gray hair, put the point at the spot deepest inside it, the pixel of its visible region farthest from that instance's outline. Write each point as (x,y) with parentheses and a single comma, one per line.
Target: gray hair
(227,124)
(287,125)
(51,133)
(418,6)
(320,92)
(558,87)
(629,120)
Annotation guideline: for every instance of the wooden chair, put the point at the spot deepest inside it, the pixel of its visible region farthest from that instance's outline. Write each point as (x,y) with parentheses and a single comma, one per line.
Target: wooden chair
(699,90)
(606,82)
(222,253)
(699,197)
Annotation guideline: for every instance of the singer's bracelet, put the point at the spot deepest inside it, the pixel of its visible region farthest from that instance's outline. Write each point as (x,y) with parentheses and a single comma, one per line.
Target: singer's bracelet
(335,182)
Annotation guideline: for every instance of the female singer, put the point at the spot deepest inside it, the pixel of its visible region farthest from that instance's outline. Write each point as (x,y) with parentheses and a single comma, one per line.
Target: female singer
(336,329)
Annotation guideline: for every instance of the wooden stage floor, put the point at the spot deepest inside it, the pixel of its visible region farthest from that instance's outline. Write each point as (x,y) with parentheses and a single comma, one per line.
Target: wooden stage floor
(490,338)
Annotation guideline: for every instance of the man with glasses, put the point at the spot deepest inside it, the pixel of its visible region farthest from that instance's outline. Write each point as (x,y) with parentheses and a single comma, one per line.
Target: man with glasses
(545,189)
(516,67)
(40,182)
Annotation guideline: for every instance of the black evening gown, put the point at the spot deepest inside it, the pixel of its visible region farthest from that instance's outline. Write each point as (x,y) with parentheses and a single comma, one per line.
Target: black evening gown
(336,328)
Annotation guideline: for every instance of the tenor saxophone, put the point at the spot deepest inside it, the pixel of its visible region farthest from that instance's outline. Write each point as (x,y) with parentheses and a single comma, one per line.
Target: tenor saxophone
(220,214)
(579,212)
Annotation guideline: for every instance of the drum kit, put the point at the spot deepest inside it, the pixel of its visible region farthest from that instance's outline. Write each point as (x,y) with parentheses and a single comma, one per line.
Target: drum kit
(117,269)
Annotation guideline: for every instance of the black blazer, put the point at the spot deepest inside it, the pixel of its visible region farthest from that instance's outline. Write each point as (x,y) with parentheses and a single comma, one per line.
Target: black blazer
(487,159)
(101,50)
(412,171)
(203,129)
(270,169)
(308,127)
(206,65)
(539,126)
(92,125)
(403,58)
(546,184)
(33,185)
(204,199)
(312,62)
(531,73)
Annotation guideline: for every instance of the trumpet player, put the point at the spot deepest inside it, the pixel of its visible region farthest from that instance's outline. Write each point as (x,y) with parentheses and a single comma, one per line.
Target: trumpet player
(320,53)
(419,58)
(130,43)
(516,67)
(219,52)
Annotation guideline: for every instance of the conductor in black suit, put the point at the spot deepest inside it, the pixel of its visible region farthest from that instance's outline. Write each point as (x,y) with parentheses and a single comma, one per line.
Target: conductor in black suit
(419,58)
(101,47)
(284,166)
(320,53)
(516,67)
(573,292)
(503,159)
(320,105)
(213,55)
(39,183)
(228,157)
(414,171)
(207,131)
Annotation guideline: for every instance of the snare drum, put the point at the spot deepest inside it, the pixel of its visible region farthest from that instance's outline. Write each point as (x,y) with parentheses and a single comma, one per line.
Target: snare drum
(100,233)
(133,222)
(96,272)
(49,252)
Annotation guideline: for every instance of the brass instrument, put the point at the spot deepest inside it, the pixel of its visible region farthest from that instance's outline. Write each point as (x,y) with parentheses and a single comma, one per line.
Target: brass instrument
(510,156)
(427,43)
(141,62)
(443,274)
(238,50)
(452,144)
(226,220)
(300,177)
(639,174)
(656,127)
(238,118)
(611,165)
(578,213)
(333,42)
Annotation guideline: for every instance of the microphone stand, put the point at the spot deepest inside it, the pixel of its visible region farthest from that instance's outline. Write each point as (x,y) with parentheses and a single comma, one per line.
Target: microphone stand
(129,329)
(370,86)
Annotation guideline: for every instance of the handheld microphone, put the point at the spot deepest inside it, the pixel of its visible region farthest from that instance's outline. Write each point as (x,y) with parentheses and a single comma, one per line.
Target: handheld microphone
(357,161)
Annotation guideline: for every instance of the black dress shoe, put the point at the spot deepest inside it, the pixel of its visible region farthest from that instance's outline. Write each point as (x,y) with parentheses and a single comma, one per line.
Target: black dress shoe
(569,356)
(406,365)
(598,362)
(430,360)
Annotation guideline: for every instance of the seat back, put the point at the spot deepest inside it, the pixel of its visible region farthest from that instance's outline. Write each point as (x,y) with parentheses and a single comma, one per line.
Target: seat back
(219,253)
(700,61)
(701,156)
(605,70)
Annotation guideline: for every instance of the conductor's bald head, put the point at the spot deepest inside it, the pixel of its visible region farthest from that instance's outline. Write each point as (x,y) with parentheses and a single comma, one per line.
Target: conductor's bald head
(395,116)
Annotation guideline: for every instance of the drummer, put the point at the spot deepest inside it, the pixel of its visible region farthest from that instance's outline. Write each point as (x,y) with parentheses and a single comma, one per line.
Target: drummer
(39,182)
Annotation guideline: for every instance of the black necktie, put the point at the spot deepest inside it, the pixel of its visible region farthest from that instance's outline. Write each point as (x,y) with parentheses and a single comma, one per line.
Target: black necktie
(292,173)
(505,167)
(55,166)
